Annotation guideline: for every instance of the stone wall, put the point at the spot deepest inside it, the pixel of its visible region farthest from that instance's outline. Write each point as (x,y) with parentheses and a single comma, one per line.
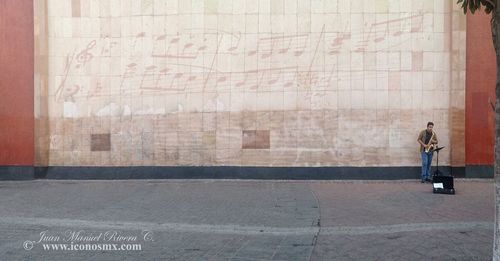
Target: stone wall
(251,83)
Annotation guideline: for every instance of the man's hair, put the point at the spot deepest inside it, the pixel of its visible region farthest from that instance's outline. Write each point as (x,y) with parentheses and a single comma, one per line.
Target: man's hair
(430,123)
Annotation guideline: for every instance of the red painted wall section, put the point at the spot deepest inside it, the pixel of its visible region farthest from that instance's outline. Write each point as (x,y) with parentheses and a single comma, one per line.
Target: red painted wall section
(480,90)
(16,83)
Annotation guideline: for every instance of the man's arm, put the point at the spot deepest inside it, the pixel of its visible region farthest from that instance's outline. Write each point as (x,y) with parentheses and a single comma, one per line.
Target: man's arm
(420,137)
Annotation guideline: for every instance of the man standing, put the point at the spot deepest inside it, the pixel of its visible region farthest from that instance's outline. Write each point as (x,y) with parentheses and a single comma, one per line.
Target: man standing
(427,140)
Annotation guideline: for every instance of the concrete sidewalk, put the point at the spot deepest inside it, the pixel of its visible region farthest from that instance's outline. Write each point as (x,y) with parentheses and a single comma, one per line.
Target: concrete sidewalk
(245,220)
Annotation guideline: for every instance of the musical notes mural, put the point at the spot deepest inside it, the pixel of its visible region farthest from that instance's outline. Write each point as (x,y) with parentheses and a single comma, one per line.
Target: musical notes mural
(199,63)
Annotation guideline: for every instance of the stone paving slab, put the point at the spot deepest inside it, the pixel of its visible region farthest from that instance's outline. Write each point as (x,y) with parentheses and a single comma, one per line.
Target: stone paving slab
(251,220)
(382,203)
(462,244)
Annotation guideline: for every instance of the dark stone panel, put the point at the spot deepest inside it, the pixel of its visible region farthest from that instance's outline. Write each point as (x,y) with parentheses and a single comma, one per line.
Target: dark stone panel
(17,173)
(262,140)
(479,171)
(234,172)
(256,139)
(458,172)
(100,142)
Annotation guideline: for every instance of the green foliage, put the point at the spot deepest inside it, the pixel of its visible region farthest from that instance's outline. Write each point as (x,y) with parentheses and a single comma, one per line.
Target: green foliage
(473,5)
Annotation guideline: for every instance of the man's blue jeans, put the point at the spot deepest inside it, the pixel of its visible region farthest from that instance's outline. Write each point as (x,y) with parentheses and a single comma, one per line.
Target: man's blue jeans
(426,164)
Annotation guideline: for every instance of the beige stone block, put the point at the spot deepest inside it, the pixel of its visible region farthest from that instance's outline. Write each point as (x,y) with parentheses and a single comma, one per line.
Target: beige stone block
(318,138)
(344,99)
(276,120)
(196,122)
(223,120)
(125,126)
(304,158)
(277,139)
(394,99)
(344,141)
(67,158)
(325,158)
(282,158)
(235,139)
(235,120)
(330,139)
(137,157)
(70,142)
(357,155)
(95,159)
(371,156)
(228,157)
(317,119)
(209,138)
(406,119)
(84,140)
(362,119)
(209,102)
(208,157)
(183,121)
(317,99)
(249,102)
(186,157)
(171,157)
(263,101)
(290,23)
(132,125)
(290,100)
(404,157)
(172,122)
(291,119)
(125,157)
(417,100)
(357,80)
(290,138)
(159,156)
(276,101)
(222,139)
(249,120)
(406,81)
(344,119)
(262,120)
(191,139)
(406,99)
(56,126)
(370,99)
(237,100)
(304,100)
(171,139)
(303,119)
(277,21)
(377,137)
(256,158)
(331,119)
(106,159)
(356,138)
(56,158)
(209,121)
(56,142)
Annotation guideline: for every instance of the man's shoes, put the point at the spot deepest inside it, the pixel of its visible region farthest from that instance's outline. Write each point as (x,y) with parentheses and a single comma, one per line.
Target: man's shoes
(422,181)
(428,180)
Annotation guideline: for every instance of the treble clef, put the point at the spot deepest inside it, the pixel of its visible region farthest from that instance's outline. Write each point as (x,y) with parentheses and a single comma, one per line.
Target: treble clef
(85,56)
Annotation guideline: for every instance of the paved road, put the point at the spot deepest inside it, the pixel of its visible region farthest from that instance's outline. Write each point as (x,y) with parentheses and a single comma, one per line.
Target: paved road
(245,220)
